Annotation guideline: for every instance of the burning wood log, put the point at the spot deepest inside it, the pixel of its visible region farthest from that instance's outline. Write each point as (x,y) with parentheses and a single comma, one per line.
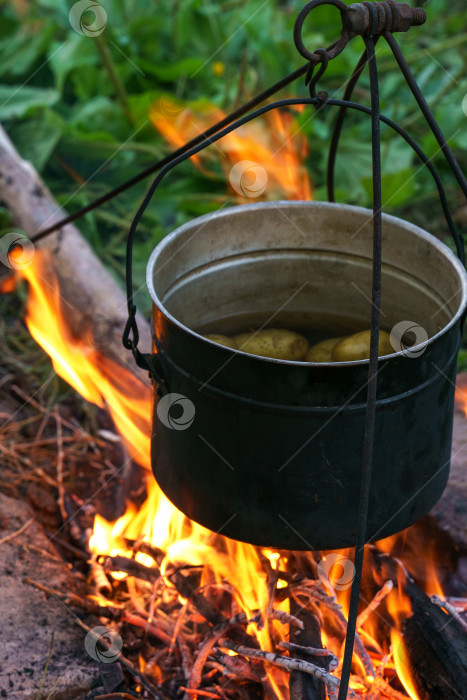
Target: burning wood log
(433,647)
(94,300)
(130,567)
(99,577)
(303,686)
(436,647)
(205,608)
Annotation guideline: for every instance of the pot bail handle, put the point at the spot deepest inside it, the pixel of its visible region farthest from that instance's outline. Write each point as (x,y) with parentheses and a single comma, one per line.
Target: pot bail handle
(130,342)
(130,336)
(147,361)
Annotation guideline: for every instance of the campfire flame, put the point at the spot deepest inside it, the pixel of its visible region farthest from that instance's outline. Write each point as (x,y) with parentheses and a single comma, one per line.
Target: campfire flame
(240,567)
(274,144)
(158,522)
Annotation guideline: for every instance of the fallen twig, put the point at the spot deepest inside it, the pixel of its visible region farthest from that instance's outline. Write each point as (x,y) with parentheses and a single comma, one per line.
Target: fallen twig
(110,612)
(286,662)
(286,618)
(185,653)
(237,666)
(459,603)
(117,696)
(147,626)
(379,597)
(60,457)
(203,653)
(20,531)
(61,542)
(35,404)
(130,667)
(178,625)
(311,651)
(449,609)
(197,691)
(320,596)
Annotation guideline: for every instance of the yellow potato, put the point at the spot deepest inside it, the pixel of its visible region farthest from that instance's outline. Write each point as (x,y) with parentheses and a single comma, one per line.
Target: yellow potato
(276,343)
(322,352)
(357,347)
(222,340)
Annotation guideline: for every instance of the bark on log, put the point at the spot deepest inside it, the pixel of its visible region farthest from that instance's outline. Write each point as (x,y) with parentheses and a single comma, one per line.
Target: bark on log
(434,645)
(303,686)
(85,283)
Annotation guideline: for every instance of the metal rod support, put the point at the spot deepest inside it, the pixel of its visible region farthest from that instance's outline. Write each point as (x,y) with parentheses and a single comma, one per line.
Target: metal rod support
(370,417)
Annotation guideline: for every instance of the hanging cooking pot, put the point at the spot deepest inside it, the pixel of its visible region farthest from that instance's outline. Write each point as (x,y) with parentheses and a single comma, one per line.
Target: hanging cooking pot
(269,451)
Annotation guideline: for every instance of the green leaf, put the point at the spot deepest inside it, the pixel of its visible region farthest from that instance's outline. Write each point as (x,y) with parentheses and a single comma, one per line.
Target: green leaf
(396,155)
(18,54)
(462,361)
(141,104)
(397,188)
(76,52)
(99,115)
(19,100)
(172,71)
(353,165)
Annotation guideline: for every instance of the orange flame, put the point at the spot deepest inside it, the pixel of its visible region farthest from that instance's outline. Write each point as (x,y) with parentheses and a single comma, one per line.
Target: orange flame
(461,393)
(399,608)
(128,400)
(274,145)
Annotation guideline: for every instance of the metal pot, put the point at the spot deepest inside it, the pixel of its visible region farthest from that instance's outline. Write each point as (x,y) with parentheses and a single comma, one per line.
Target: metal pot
(268,451)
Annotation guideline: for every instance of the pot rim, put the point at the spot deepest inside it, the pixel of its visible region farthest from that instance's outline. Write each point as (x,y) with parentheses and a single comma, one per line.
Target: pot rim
(442,247)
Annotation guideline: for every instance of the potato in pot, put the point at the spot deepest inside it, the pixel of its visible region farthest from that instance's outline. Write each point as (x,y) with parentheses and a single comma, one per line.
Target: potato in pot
(276,343)
(357,347)
(322,351)
(222,340)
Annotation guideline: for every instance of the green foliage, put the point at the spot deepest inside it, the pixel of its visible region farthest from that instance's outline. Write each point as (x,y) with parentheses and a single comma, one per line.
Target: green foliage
(78,106)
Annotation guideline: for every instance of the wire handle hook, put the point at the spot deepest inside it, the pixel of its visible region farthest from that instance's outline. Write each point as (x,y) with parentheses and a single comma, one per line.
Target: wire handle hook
(359,19)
